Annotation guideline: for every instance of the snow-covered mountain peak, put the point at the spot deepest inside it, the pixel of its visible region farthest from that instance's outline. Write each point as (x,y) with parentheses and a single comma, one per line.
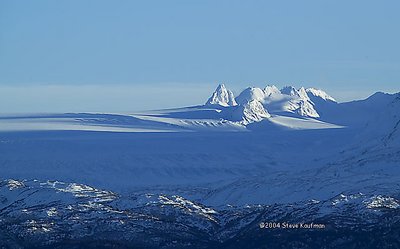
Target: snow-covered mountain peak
(271,90)
(305,102)
(298,102)
(249,94)
(222,96)
(319,93)
(290,90)
(249,112)
(221,87)
(303,93)
(306,109)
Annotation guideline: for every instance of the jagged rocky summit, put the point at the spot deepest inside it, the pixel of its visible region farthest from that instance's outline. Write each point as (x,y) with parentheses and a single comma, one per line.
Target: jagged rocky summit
(255,104)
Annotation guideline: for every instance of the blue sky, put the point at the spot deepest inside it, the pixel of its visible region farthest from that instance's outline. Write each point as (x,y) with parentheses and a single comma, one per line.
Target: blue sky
(79,55)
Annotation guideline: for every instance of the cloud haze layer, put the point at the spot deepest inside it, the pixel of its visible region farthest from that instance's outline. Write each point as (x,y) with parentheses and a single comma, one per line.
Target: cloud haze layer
(123,98)
(99,98)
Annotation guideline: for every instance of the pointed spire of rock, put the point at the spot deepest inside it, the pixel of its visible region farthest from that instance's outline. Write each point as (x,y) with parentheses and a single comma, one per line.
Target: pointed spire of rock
(222,96)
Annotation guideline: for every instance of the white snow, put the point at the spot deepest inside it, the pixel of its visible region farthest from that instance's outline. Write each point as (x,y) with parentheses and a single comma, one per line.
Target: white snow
(319,93)
(302,123)
(250,94)
(252,111)
(271,91)
(380,201)
(221,96)
(286,100)
(270,147)
(290,90)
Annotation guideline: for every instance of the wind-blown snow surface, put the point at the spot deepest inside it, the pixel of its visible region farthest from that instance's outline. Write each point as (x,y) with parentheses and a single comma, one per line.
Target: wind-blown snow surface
(202,175)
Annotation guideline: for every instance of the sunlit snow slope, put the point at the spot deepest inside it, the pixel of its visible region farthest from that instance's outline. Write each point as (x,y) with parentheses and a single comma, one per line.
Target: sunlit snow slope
(266,145)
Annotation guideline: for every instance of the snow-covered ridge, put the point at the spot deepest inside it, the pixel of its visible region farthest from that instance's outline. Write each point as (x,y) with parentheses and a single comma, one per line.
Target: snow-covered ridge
(319,93)
(288,100)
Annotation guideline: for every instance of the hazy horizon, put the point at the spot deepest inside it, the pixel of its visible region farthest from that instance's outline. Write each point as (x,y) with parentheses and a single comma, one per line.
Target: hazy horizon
(105,56)
(127,99)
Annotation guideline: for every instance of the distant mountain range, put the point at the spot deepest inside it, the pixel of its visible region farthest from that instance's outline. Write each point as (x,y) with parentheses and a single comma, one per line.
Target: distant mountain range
(255,104)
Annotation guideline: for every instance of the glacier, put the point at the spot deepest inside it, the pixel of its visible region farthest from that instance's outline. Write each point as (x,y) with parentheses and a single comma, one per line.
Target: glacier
(205,176)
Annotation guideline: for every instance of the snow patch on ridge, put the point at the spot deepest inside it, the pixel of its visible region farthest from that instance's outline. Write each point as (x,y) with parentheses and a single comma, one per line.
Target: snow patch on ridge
(319,93)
